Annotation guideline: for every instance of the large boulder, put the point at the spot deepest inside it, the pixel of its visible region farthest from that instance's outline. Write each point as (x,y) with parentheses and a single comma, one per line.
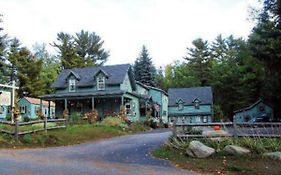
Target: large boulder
(198,149)
(236,150)
(273,155)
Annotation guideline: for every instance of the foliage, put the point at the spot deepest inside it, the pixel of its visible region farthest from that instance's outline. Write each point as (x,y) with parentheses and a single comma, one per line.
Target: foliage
(219,163)
(112,121)
(26,119)
(92,116)
(83,49)
(144,69)
(27,139)
(8,117)
(265,45)
(257,145)
(75,117)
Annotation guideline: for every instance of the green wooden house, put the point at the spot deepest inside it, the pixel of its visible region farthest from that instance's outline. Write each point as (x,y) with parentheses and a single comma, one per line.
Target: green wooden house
(191,105)
(257,112)
(156,97)
(104,88)
(29,108)
(5,103)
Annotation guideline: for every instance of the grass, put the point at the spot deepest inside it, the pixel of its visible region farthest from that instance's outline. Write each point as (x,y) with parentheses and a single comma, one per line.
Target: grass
(220,163)
(73,134)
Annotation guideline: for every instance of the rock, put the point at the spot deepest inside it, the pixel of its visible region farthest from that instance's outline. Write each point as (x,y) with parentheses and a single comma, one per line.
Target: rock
(236,150)
(273,155)
(198,149)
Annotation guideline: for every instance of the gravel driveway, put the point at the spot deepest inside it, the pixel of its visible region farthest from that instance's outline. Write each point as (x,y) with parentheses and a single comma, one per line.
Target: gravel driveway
(121,156)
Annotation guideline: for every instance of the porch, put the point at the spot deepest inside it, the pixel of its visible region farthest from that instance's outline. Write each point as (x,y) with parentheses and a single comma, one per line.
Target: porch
(105,105)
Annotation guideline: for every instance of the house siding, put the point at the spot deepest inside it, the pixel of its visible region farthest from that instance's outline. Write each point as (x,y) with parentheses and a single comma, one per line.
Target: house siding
(253,113)
(126,85)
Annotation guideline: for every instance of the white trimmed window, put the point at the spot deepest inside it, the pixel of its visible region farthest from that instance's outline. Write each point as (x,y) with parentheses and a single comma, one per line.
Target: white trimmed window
(72,85)
(101,83)
(2,109)
(180,106)
(23,109)
(128,108)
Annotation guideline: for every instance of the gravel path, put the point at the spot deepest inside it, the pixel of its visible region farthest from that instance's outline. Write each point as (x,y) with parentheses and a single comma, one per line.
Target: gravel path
(126,155)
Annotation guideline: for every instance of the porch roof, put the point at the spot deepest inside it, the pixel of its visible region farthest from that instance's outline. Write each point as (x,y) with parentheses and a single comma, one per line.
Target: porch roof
(82,94)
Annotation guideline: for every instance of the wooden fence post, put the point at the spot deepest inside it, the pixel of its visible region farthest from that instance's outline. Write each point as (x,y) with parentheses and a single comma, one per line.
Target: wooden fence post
(45,123)
(16,133)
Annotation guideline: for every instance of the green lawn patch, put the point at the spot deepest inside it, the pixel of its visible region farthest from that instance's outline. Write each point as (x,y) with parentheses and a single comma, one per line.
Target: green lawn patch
(73,134)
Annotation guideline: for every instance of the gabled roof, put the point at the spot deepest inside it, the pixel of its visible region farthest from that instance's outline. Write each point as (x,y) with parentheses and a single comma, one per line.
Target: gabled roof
(36,101)
(74,74)
(116,75)
(188,95)
(250,107)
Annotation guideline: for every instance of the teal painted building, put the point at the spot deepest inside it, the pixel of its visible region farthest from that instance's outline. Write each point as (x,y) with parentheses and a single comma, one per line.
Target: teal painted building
(155,97)
(5,103)
(104,88)
(29,108)
(191,105)
(257,112)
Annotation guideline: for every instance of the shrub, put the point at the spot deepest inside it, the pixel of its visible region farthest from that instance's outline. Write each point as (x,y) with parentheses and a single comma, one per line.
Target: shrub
(27,139)
(92,116)
(112,121)
(75,117)
(26,119)
(9,117)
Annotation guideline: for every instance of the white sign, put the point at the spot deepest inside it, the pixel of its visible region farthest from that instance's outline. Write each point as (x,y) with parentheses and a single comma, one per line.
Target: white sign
(5,98)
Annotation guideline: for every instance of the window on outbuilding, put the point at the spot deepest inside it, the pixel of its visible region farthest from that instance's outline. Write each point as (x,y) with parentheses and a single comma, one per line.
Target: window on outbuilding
(72,85)
(2,109)
(101,83)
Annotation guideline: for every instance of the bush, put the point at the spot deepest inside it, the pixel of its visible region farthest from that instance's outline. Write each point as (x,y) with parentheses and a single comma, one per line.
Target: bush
(26,119)
(112,121)
(27,139)
(92,116)
(75,117)
(9,117)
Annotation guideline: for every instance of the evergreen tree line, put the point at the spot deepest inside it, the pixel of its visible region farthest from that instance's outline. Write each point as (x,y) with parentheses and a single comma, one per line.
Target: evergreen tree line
(35,70)
(239,71)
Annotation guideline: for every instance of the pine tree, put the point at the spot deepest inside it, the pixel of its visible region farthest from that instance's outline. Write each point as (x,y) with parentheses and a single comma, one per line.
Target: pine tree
(3,49)
(89,47)
(265,44)
(198,60)
(84,49)
(144,69)
(67,52)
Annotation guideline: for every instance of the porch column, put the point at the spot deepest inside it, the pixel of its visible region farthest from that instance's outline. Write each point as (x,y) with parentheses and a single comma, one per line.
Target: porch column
(49,109)
(41,105)
(93,103)
(65,104)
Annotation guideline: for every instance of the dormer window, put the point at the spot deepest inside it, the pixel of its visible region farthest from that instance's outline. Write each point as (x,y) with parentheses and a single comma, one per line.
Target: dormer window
(180,104)
(72,85)
(196,103)
(101,83)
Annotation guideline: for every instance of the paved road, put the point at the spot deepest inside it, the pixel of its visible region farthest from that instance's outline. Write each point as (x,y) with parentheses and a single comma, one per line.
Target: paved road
(126,155)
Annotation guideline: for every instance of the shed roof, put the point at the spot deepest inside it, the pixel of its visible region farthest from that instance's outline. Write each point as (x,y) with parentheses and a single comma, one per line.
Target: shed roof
(251,106)
(36,101)
(188,95)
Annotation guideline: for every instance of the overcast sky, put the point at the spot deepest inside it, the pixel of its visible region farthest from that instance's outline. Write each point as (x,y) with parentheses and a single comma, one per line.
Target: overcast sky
(166,27)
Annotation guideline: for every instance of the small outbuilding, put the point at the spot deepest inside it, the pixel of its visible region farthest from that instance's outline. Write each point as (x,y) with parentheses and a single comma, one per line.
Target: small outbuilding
(257,112)
(29,107)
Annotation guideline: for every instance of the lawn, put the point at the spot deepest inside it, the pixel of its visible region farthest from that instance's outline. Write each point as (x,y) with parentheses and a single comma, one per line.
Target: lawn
(220,163)
(73,134)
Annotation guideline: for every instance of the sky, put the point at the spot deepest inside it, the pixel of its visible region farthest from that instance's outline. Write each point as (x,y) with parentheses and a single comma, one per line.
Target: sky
(165,27)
